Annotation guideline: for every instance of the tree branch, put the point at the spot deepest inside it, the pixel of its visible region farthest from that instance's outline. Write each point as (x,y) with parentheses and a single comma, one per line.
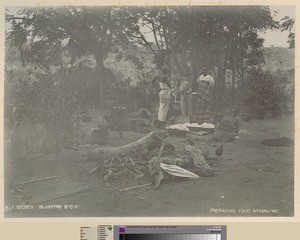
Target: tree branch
(154,33)
(161,40)
(145,41)
(171,47)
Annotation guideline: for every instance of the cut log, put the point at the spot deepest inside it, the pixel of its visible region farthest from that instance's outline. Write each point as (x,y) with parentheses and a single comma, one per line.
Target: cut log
(199,161)
(142,146)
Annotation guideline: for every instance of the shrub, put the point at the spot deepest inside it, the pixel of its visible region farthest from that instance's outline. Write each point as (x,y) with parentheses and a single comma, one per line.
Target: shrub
(271,90)
(49,98)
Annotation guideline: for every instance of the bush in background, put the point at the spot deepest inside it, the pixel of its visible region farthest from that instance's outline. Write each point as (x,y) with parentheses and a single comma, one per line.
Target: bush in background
(272,90)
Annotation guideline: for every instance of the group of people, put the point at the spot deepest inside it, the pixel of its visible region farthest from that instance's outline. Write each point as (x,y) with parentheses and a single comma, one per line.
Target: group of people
(194,104)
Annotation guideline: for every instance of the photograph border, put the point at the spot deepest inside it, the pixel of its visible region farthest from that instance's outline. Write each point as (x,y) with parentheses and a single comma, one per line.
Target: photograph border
(158,220)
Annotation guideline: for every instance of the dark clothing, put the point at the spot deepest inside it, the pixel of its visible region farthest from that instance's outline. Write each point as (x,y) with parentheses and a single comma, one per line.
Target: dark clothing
(203,109)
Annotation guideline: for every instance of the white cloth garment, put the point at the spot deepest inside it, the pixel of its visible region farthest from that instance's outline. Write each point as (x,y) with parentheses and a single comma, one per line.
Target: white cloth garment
(164,101)
(206,78)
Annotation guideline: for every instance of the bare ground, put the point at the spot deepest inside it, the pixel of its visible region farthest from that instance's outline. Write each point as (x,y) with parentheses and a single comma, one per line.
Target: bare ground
(251,180)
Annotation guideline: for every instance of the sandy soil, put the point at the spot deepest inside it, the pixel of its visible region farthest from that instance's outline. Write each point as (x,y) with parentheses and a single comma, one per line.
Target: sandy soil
(251,180)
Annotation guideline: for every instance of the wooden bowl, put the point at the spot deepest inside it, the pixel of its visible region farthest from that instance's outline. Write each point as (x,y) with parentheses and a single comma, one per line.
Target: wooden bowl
(198,129)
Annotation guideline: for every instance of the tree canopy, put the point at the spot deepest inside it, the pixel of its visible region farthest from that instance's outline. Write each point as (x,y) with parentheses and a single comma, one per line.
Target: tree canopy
(221,38)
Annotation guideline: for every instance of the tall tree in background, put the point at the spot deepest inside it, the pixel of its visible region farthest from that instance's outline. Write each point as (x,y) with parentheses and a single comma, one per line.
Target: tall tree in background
(220,38)
(45,35)
(225,36)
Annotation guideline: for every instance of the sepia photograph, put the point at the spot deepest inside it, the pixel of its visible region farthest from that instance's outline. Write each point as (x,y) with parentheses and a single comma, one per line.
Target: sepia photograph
(149,111)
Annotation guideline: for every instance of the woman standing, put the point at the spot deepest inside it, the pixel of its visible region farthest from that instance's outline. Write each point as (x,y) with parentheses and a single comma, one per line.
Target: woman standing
(164,97)
(205,84)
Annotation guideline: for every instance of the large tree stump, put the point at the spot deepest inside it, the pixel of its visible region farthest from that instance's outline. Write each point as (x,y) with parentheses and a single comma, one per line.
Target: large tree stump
(199,161)
(142,146)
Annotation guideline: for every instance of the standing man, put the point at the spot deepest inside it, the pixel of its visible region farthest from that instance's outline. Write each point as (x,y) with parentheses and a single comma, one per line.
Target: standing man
(185,94)
(204,101)
(164,96)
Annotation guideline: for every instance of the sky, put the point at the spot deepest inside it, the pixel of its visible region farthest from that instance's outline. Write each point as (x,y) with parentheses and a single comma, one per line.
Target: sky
(278,38)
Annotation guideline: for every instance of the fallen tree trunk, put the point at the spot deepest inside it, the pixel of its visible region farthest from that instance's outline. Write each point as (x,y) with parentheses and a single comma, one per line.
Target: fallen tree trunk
(199,161)
(142,146)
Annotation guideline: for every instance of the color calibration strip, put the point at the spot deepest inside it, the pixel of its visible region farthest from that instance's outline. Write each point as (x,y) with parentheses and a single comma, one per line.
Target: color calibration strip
(168,236)
(100,232)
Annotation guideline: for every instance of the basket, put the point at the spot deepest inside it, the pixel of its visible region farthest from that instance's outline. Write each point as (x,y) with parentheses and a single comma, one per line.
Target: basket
(198,129)
(177,132)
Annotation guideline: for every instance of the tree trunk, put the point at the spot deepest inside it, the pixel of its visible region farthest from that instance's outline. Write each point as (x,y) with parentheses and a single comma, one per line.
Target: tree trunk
(142,146)
(184,60)
(241,73)
(233,83)
(233,62)
(195,57)
(219,79)
(100,71)
(222,60)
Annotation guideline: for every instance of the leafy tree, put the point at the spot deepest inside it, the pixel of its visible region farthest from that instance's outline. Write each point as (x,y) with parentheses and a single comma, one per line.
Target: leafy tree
(221,38)
(279,58)
(46,35)
(270,89)
(287,24)
(134,83)
(228,39)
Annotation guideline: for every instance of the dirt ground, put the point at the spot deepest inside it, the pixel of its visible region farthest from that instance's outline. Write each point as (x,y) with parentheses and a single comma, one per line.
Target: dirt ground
(251,180)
